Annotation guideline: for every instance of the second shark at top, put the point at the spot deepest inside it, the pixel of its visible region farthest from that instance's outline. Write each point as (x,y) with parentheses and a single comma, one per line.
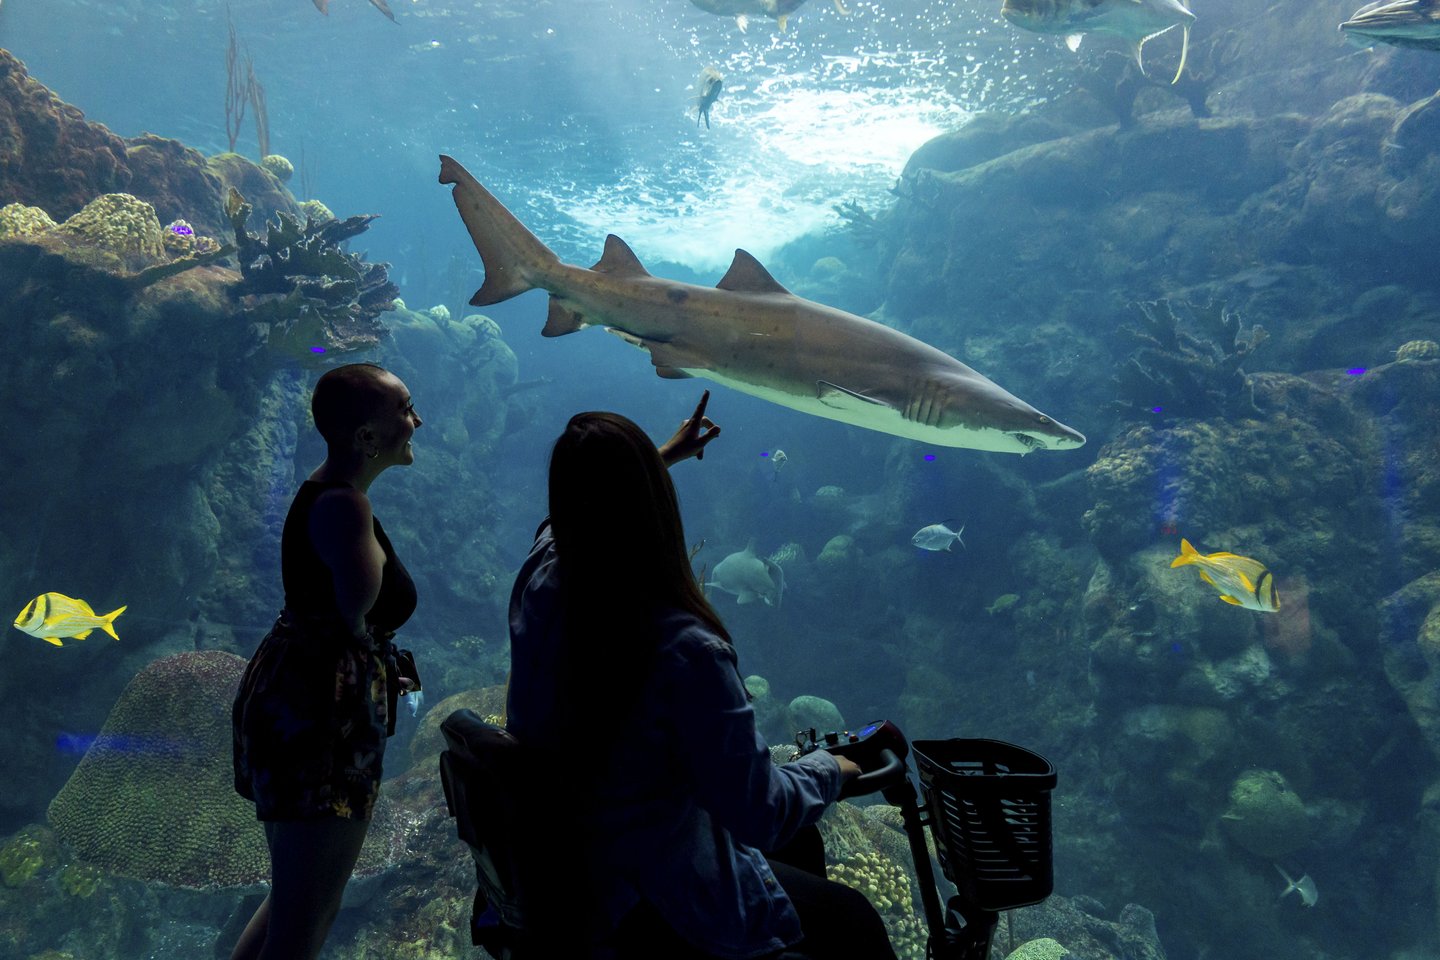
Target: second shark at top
(750,333)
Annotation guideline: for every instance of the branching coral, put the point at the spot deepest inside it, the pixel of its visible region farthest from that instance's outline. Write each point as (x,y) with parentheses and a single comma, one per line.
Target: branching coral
(1187,362)
(303,288)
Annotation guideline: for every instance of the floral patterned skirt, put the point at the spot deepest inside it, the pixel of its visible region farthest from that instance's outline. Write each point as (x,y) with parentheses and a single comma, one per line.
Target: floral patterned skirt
(310,723)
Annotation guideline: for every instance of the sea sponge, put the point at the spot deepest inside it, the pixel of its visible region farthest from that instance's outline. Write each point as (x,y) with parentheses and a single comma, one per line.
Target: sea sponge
(280,168)
(18,220)
(1414,350)
(120,223)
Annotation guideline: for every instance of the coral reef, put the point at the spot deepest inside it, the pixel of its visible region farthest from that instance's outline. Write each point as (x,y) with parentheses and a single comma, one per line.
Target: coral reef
(303,288)
(1189,367)
(121,224)
(18,220)
(153,797)
(278,167)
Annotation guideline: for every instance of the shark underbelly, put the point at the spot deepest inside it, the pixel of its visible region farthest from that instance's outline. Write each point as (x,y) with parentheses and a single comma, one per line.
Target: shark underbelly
(878,417)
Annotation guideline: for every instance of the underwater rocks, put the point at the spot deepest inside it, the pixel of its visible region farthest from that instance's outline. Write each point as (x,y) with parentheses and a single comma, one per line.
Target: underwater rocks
(50,155)
(1265,816)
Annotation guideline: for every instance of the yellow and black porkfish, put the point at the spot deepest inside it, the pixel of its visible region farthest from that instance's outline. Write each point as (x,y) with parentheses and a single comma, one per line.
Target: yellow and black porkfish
(51,616)
(1241,581)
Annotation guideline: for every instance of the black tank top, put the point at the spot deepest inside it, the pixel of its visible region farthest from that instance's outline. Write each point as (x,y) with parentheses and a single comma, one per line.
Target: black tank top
(309,585)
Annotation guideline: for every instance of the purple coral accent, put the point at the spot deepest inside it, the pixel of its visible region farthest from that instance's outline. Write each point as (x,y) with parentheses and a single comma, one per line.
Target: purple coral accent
(182,229)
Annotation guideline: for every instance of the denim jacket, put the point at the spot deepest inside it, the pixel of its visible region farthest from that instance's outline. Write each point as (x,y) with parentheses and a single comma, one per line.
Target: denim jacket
(689,797)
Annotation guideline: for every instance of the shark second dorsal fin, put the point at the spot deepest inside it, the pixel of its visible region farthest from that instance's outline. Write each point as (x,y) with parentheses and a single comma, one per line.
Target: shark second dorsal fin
(746,275)
(619,260)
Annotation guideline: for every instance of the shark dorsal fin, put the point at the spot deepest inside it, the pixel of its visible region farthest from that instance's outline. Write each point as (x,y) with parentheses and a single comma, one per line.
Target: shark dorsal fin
(619,259)
(746,275)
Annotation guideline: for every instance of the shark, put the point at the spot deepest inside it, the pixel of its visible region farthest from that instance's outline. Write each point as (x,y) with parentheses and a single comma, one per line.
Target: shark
(1400,23)
(741,10)
(324,7)
(751,334)
(1136,21)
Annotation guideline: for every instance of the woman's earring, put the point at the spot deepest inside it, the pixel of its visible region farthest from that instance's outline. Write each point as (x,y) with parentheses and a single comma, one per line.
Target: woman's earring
(373,454)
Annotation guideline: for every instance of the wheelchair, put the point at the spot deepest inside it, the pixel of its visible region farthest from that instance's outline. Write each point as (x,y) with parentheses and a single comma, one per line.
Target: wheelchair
(987,805)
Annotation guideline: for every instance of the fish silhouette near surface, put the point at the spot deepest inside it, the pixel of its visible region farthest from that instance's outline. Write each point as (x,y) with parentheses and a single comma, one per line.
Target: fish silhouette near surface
(751,334)
(1304,888)
(324,7)
(939,536)
(1400,23)
(51,616)
(1135,21)
(749,577)
(743,10)
(1242,582)
(707,91)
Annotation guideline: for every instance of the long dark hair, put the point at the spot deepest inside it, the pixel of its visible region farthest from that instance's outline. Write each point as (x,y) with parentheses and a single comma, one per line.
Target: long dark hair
(621,550)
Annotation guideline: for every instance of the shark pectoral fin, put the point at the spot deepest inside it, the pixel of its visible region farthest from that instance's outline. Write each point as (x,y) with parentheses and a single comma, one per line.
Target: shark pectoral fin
(1072,42)
(746,275)
(561,319)
(619,260)
(839,398)
(671,361)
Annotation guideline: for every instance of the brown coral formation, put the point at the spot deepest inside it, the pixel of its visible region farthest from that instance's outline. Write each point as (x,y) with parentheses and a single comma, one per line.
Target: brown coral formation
(153,797)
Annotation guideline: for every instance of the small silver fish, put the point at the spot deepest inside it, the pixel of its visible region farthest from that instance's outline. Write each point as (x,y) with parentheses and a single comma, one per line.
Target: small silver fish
(938,536)
(779,459)
(1304,888)
(416,700)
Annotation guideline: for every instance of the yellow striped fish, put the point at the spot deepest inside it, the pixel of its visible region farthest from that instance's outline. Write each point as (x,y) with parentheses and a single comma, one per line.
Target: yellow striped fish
(1240,580)
(51,616)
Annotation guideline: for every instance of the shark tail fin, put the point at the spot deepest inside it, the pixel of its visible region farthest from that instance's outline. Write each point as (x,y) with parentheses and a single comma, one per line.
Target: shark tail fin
(514,258)
(1184,52)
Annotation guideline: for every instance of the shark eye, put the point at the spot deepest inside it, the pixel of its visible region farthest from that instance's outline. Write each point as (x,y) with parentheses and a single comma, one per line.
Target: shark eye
(1045,421)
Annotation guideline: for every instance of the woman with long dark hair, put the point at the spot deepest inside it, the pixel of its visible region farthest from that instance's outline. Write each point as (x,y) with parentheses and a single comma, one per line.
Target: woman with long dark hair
(625,678)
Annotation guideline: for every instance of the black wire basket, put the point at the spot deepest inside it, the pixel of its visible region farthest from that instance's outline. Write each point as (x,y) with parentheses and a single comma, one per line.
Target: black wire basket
(989,804)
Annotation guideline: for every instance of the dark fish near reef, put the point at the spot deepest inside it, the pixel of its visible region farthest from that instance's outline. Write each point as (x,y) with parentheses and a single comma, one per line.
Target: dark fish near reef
(1400,23)
(1133,20)
(742,10)
(707,92)
(752,334)
(324,7)
(1242,582)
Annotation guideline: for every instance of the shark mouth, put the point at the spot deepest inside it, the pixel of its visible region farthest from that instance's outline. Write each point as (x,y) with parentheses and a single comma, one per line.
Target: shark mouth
(1029,442)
